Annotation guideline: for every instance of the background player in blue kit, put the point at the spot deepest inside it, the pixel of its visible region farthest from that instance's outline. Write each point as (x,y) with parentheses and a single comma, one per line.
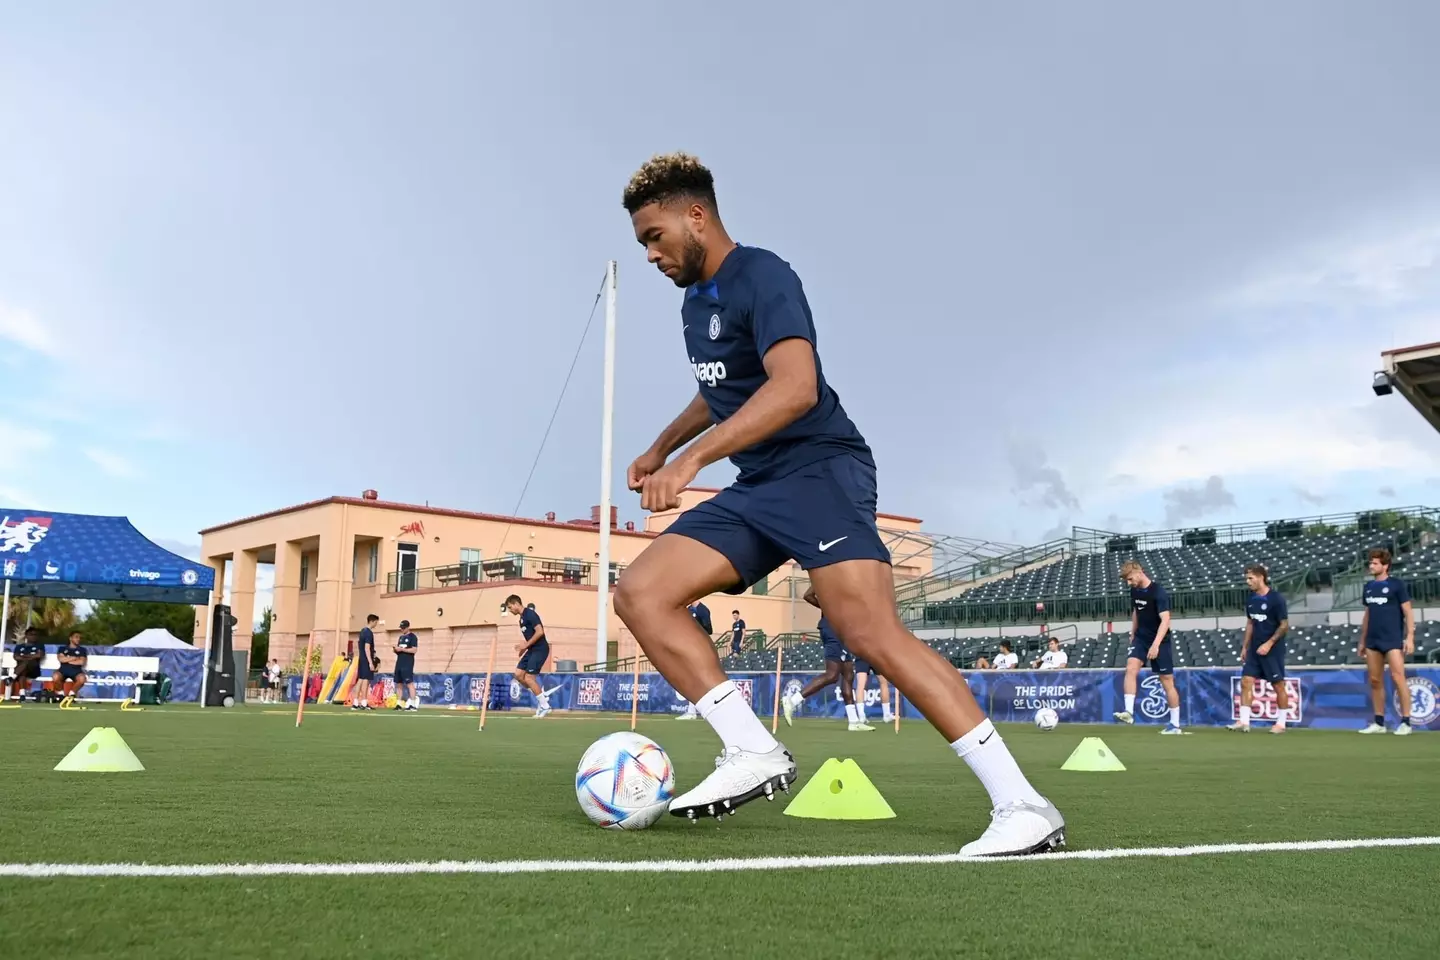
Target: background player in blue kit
(1387,637)
(365,663)
(1149,642)
(70,679)
(839,668)
(405,646)
(806,490)
(1267,620)
(534,651)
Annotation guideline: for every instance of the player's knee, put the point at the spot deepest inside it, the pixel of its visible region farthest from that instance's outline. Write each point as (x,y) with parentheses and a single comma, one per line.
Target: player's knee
(1377,680)
(637,595)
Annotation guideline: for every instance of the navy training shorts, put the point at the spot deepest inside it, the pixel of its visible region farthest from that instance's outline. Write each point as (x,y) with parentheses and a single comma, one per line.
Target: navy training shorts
(820,514)
(1270,667)
(1164,662)
(404,672)
(364,667)
(534,658)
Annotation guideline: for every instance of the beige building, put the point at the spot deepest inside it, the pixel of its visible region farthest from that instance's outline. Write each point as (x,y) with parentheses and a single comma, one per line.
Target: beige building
(447,572)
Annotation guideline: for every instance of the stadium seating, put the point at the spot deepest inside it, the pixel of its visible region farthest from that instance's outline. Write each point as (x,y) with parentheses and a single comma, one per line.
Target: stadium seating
(1321,646)
(1201,578)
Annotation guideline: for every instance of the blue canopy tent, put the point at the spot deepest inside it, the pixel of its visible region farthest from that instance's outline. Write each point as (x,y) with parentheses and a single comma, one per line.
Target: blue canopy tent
(78,557)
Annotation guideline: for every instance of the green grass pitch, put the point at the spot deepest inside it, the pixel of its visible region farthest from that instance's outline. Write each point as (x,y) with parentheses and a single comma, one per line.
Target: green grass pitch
(244,786)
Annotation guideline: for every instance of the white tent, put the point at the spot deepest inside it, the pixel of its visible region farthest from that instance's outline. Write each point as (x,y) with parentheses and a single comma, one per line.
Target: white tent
(156,638)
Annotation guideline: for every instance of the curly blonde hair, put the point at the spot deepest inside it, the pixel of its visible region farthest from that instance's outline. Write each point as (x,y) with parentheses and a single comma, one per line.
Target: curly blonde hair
(666,177)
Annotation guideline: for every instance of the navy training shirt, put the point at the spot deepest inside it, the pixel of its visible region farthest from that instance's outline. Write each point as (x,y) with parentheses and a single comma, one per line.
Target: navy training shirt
(69,651)
(1387,621)
(827,632)
(1265,613)
(408,643)
(1149,602)
(737,630)
(29,650)
(753,302)
(367,639)
(529,620)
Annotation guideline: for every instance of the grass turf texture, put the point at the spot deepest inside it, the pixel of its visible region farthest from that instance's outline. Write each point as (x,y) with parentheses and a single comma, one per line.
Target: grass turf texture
(245,786)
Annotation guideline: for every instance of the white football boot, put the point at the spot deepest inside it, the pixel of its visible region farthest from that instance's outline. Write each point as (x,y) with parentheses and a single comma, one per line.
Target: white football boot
(860,727)
(1403,730)
(739,777)
(1124,716)
(1373,728)
(1017,829)
(789,704)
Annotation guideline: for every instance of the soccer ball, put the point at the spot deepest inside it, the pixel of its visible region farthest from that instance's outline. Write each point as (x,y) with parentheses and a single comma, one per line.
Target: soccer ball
(624,782)
(1047,719)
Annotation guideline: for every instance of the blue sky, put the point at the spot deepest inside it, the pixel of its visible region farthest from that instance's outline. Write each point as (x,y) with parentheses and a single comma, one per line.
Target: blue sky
(1121,266)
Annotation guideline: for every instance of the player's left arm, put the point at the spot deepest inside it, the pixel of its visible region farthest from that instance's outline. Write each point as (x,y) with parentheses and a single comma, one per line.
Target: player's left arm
(1407,611)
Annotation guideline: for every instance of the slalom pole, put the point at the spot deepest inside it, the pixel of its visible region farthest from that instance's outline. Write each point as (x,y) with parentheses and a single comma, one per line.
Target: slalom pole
(489,676)
(897,708)
(779,662)
(304,677)
(635,688)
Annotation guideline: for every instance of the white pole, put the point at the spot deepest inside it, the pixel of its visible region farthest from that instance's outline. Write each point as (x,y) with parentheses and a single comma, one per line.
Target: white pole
(602,581)
(5,616)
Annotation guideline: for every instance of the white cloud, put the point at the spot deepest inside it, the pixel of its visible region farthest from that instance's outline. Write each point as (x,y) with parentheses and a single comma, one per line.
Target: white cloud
(21,327)
(19,442)
(112,464)
(1390,270)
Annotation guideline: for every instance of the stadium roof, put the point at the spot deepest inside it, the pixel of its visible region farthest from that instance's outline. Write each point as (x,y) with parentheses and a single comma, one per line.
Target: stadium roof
(1415,371)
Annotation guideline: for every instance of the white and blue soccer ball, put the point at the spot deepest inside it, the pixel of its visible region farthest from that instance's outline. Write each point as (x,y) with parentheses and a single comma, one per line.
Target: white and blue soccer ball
(625,781)
(1047,719)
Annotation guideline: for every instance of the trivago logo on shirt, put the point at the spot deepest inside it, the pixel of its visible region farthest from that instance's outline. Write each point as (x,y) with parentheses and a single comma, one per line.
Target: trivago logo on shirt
(708,373)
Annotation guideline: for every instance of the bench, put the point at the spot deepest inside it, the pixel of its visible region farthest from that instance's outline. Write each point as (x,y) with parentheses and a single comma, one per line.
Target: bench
(98,667)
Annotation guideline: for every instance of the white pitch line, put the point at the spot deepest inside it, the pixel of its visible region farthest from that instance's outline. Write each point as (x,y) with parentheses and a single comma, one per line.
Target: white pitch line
(730,865)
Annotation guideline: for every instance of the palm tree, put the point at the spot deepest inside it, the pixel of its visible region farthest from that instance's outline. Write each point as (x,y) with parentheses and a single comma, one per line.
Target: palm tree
(56,618)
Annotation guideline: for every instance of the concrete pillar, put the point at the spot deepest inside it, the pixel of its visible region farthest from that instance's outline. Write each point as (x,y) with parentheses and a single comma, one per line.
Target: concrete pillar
(242,598)
(332,593)
(284,628)
(217,597)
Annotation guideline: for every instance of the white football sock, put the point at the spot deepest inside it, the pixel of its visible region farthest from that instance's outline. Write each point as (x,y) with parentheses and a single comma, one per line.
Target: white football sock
(1280,718)
(1129,703)
(1245,715)
(851,713)
(1174,716)
(733,721)
(985,751)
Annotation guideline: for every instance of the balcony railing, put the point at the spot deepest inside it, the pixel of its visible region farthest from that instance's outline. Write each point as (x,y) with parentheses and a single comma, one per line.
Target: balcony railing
(572,571)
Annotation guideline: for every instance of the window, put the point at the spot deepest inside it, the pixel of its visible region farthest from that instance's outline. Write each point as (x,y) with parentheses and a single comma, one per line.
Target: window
(354,565)
(469,565)
(374,562)
(761,588)
(515,569)
(304,572)
(407,566)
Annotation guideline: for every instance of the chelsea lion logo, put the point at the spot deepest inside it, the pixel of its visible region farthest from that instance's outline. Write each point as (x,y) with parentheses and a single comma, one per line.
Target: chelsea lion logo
(1424,701)
(189,578)
(793,687)
(714,325)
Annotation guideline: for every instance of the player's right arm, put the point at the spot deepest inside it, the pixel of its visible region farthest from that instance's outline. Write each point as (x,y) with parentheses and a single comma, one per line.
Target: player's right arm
(1245,643)
(693,421)
(1364,626)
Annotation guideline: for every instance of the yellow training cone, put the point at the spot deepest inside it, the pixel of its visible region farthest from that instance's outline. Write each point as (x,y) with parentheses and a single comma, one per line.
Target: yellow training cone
(840,791)
(102,751)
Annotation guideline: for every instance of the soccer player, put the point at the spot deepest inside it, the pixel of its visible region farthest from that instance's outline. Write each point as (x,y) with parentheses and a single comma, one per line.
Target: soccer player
(533,652)
(1149,642)
(863,672)
(737,633)
(28,656)
(1267,620)
(701,613)
(70,678)
(806,490)
(365,663)
(405,646)
(1387,637)
(839,668)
